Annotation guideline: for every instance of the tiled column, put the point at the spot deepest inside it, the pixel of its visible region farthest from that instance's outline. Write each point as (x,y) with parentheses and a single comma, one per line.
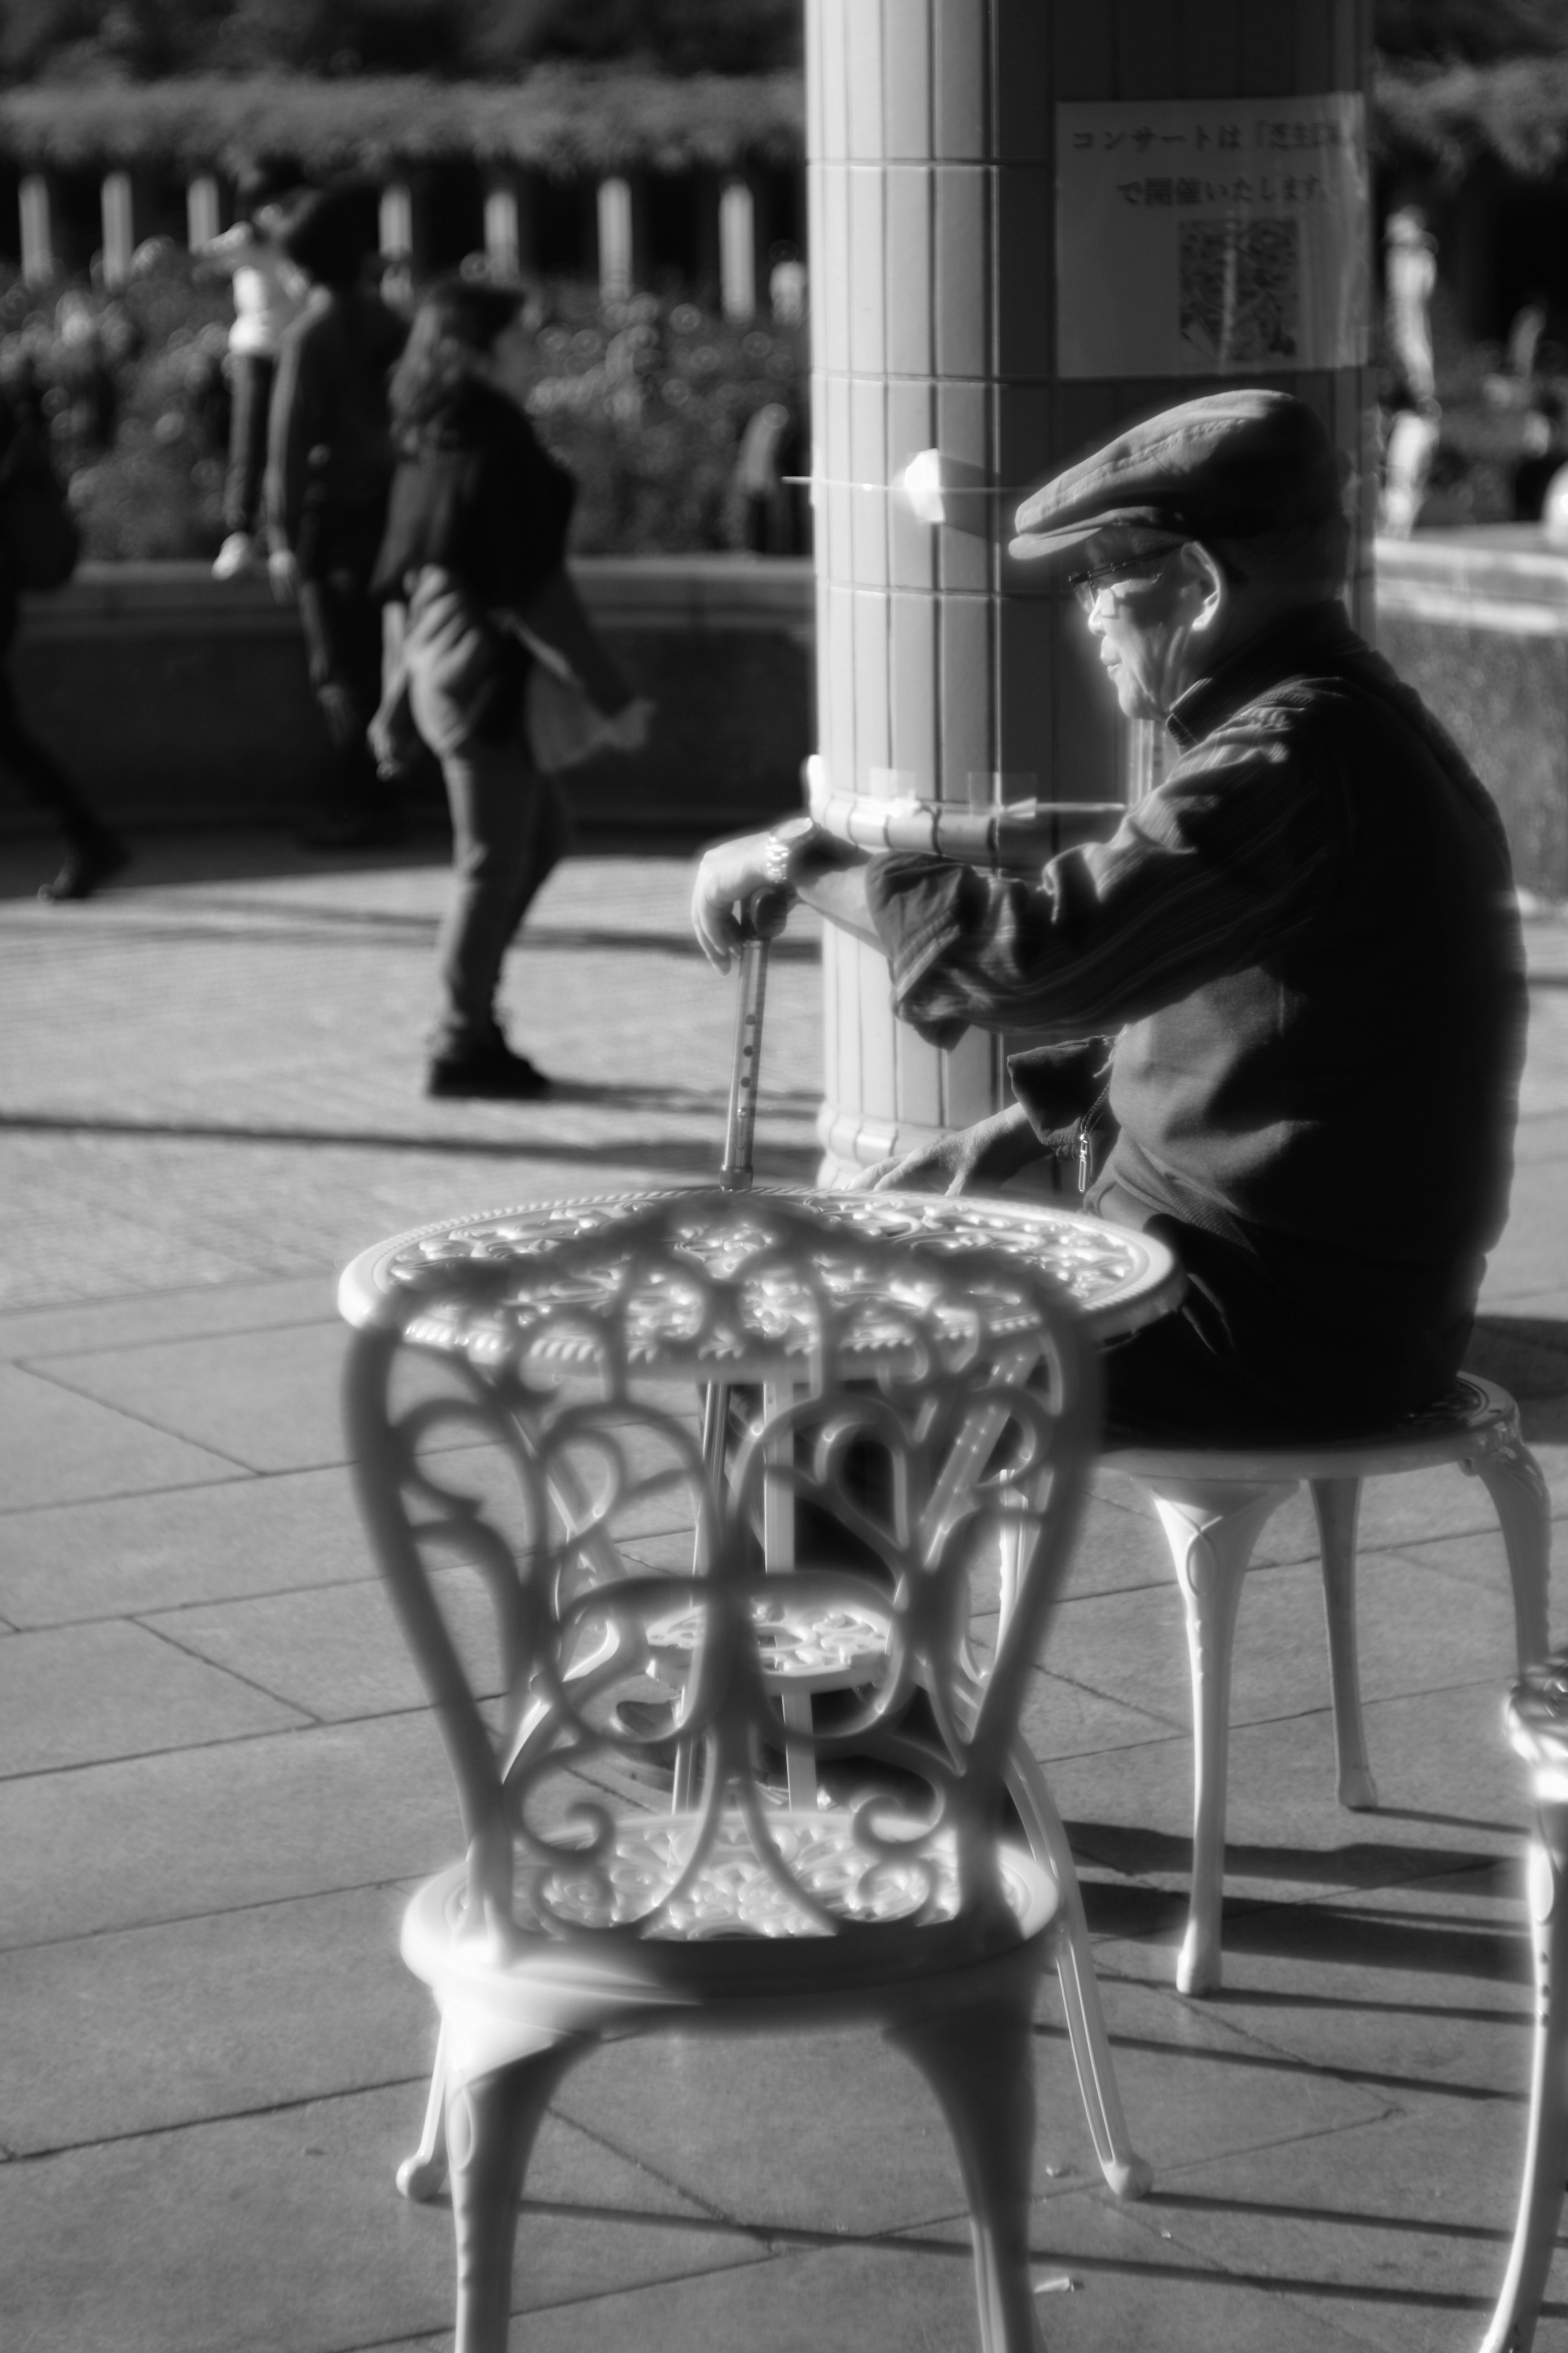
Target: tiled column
(944,672)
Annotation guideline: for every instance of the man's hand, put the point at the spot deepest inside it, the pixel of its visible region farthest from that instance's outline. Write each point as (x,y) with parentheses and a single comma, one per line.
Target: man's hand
(728,876)
(284,573)
(394,742)
(984,1155)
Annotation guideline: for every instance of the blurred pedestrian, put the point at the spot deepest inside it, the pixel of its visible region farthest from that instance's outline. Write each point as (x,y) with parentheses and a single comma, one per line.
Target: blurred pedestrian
(1416,419)
(329,470)
(1543,449)
(472,571)
(771,517)
(84,370)
(37,551)
(267,296)
(1409,449)
(1530,322)
(1410,272)
(786,285)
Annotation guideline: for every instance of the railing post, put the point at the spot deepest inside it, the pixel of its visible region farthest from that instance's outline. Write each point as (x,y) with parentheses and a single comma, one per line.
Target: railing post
(505,227)
(38,234)
(118,227)
(201,211)
(737,250)
(616,245)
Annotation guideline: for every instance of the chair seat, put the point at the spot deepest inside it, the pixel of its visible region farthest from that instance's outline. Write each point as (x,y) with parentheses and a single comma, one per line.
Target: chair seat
(1474,1414)
(801,1646)
(734,1934)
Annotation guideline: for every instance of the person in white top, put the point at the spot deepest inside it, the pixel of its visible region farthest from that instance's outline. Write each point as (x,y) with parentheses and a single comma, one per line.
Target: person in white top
(268,294)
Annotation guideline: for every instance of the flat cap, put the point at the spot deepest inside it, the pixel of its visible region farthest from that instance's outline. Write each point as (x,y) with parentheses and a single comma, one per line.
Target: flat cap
(1230,464)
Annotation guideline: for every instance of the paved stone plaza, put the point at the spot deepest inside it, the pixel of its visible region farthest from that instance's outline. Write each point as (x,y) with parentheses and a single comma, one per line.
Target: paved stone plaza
(217,1780)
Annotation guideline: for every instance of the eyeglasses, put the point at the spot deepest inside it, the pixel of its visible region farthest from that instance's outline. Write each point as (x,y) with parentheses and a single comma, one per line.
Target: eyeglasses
(1128,569)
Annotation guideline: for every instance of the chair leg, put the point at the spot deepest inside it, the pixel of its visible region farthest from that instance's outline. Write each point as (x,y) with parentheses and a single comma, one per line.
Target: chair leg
(1337,1503)
(492,2124)
(1546,2146)
(981,2064)
(1128,2175)
(423,2175)
(1512,1478)
(1211,1526)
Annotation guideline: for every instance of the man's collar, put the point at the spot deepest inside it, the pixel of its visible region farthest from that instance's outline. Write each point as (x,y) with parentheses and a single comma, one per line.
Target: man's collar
(1306,639)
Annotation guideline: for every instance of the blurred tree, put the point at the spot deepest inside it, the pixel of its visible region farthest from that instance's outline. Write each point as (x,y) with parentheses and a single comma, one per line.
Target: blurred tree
(137,39)
(142,39)
(686,35)
(329,36)
(1440,32)
(131,39)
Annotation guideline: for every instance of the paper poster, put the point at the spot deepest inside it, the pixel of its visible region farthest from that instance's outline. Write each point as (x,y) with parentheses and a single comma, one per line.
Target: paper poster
(1211,237)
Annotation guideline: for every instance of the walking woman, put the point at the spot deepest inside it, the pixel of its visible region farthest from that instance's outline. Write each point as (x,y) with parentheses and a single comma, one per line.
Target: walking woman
(473,556)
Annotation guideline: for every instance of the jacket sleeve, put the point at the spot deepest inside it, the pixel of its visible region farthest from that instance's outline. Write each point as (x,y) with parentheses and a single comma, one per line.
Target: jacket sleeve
(526,519)
(1059,1085)
(1227,859)
(232,248)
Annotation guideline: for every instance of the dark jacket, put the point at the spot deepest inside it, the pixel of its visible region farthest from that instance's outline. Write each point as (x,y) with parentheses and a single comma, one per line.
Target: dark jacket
(477,497)
(10,426)
(476,529)
(1308,942)
(329,454)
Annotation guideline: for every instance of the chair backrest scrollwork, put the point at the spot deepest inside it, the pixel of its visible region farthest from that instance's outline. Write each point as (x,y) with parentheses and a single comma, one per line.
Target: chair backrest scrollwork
(903,1428)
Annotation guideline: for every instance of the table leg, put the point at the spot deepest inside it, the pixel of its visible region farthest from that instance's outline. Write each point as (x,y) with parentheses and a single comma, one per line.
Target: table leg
(778,1553)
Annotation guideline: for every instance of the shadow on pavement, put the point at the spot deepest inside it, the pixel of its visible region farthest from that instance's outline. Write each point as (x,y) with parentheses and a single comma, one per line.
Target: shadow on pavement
(784,1162)
(1319,1934)
(1360,1862)
(180,857)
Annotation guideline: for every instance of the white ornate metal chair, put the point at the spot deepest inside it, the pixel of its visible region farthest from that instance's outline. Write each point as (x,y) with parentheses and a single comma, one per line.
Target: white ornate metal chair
(1214,1502)
(1538,1726)
(570,1345)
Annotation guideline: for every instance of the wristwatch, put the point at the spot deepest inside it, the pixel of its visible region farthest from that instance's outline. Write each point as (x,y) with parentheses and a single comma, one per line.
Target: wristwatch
(782,843)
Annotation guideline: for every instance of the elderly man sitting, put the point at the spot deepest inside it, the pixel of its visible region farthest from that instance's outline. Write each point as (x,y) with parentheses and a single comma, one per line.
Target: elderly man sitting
(1305,943)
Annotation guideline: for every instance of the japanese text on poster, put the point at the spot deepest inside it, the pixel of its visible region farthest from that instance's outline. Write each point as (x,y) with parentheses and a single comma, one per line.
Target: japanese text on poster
(1211,237)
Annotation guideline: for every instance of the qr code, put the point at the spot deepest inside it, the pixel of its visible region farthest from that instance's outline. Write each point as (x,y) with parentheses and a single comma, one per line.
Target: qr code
(1240,291)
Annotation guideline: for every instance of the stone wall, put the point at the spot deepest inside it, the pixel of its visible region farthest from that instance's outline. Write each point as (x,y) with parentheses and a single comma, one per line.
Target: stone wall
(1478,622)
(178,700)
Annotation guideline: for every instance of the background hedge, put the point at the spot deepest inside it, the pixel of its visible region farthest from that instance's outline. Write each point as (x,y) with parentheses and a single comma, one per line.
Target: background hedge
(645,400)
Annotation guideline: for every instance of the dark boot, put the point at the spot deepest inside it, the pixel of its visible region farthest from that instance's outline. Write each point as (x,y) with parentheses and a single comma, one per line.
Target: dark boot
(488,1069)
(93,855)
